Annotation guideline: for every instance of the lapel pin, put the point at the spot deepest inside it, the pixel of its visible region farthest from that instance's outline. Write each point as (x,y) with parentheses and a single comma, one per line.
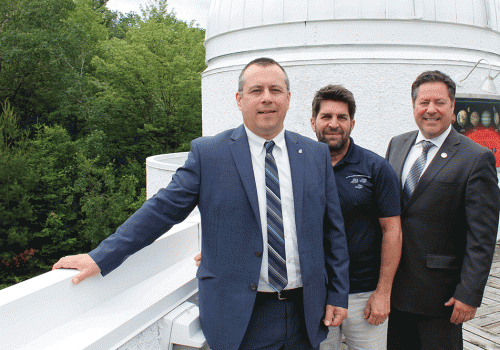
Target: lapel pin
(300,150)
(444,155)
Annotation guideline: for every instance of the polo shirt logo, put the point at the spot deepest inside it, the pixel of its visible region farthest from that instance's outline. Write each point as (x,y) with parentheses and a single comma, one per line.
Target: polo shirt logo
(358,180)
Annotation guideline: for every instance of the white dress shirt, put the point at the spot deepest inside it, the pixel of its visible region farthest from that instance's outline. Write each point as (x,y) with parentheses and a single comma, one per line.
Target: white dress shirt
(280,154)
(416,150)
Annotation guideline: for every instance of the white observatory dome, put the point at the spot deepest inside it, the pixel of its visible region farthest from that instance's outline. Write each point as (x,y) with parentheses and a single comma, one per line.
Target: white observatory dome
(230,15)
(375,48)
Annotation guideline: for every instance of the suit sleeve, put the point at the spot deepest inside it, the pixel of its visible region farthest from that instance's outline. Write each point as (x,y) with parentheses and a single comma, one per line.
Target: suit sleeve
(388,152)
(481,210)
(157,215)
(335,244)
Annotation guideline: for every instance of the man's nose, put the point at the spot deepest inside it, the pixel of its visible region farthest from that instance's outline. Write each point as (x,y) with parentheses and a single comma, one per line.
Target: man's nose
(334,123)
(431,109)
(266,96)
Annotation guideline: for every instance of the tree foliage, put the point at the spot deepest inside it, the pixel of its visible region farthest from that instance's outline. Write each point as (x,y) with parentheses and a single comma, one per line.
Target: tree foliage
(87,94)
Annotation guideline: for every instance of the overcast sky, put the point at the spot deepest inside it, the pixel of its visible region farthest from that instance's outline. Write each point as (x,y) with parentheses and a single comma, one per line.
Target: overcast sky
(185,10)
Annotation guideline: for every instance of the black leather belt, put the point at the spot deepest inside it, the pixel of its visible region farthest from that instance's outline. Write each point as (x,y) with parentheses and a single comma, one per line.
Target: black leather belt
(286,294)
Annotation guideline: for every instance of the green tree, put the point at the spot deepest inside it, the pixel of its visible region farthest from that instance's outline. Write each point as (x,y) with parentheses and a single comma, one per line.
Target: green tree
(106,199)
(85,30)
(148,87)
(119,24)
(16,180)
(47,46)
(33,54)
(88,94)
(54,201)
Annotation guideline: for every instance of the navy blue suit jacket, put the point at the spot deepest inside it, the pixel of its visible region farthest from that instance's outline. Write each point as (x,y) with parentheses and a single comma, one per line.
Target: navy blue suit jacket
(218,177)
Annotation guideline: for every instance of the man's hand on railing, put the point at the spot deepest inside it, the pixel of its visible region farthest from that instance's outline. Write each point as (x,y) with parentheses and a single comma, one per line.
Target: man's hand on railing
(83,263)
(197,258)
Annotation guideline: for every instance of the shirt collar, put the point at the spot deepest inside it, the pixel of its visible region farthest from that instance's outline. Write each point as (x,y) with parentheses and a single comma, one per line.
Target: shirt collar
(256,142)
(352,155)
(437,141)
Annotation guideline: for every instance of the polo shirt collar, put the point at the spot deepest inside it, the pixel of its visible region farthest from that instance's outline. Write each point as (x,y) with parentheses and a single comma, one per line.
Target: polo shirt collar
(352,156)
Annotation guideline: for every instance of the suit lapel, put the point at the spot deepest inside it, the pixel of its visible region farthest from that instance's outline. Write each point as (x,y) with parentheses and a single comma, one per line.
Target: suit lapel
(296,158)
(240,150)
(442,157)
(405,147)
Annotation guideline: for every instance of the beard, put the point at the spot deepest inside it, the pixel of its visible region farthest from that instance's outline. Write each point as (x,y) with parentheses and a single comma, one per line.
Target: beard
(332,145)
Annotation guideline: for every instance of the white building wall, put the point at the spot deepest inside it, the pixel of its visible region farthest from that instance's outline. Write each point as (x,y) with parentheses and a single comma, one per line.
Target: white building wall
(159,170)
(148,339)
(381,89)
(375,48)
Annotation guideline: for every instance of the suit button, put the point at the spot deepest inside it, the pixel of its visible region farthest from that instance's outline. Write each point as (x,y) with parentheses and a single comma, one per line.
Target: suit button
(258,254)
(253,287)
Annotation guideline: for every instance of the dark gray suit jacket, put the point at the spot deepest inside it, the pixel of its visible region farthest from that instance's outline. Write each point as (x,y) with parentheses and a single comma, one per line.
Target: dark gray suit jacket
(449,226)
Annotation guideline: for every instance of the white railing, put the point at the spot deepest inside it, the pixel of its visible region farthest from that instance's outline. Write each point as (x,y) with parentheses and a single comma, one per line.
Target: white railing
(49,312)
(142,302)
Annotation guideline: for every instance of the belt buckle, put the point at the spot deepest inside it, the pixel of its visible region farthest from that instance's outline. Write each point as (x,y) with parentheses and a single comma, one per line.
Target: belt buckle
(282,298)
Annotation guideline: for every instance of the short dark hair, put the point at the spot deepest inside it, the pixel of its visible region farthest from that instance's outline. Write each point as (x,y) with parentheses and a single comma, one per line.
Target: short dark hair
(333,93)
(431,77)
(263,62)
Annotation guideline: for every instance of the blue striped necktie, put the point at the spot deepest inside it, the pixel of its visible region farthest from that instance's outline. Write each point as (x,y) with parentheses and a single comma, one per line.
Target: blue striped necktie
(275,236)
(416,171)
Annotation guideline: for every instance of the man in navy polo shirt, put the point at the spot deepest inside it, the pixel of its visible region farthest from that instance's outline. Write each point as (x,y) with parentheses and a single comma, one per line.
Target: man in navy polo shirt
(368,191)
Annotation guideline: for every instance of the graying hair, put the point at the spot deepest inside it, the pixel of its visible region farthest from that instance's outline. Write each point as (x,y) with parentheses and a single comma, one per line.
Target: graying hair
(263,62)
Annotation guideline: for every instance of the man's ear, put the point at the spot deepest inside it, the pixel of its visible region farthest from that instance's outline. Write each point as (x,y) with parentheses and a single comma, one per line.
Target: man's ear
(453,109)
(238,100)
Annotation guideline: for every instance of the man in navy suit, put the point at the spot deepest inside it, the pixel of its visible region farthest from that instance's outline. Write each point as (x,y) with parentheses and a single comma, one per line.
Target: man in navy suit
(449,218)
(275,264)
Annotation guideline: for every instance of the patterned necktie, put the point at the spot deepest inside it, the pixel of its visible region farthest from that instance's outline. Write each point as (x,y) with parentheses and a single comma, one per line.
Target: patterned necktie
(275,237)
(415,171)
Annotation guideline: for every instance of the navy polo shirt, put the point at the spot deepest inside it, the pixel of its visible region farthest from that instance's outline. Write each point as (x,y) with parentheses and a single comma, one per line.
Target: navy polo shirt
(368,189)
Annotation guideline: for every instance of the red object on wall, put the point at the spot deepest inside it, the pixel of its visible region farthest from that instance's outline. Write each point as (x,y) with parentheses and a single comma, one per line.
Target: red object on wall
(487,137)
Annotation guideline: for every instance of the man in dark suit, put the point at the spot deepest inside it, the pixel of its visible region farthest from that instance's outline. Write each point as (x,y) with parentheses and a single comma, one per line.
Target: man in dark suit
(450,203)
(275,263)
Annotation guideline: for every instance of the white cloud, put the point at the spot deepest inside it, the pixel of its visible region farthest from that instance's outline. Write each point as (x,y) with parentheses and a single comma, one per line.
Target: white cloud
(125,6)
(185,10)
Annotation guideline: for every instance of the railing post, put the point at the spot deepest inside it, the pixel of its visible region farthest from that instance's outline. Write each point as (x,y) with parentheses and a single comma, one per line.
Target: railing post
(180,329)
